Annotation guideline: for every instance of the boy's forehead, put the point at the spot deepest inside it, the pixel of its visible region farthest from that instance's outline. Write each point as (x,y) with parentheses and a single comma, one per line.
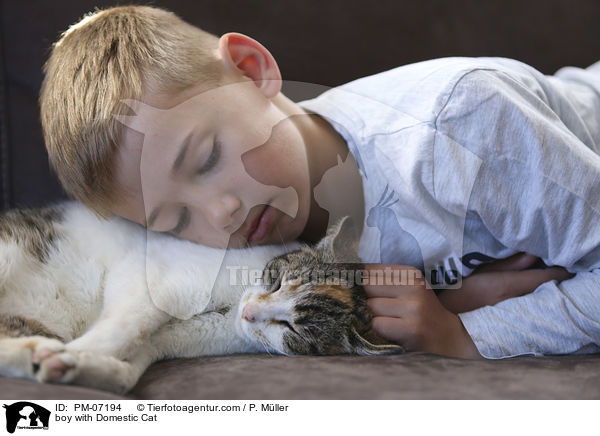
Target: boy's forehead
(148,118)
(168,98)
(166,114)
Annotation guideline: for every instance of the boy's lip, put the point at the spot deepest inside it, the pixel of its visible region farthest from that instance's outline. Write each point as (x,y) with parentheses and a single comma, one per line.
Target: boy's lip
(254,223)
(261,225)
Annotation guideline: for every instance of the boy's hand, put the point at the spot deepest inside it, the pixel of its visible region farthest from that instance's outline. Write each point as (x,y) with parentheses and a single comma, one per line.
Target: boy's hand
(413,316)
(494,282)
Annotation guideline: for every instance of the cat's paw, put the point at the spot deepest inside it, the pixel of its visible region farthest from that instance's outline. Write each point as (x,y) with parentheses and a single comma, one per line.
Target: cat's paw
(20,357)
(60,367)
(86,369)
(44,349)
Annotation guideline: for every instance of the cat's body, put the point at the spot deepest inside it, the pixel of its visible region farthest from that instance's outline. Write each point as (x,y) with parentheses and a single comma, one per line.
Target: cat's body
(95,302)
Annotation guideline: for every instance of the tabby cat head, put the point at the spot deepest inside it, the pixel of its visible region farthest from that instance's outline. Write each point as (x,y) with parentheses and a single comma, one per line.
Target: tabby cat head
(310,302)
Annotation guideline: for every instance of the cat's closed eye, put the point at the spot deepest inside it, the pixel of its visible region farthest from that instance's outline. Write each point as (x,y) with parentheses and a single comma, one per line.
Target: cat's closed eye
(274,273)
(276,286)
(284,323)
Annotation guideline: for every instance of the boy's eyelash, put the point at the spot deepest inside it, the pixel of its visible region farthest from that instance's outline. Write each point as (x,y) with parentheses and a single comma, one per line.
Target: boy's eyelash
(183,221)
(212,159)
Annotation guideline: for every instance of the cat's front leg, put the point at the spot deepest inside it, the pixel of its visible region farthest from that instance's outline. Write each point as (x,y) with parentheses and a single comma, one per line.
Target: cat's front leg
(96,371)
(47,360)
(208,333)
(204,334)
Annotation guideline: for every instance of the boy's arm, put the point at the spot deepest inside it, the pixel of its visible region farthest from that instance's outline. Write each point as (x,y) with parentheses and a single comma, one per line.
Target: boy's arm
(557,318)
(500,280)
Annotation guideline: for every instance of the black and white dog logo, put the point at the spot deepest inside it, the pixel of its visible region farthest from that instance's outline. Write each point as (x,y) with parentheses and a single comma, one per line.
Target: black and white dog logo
(26,415)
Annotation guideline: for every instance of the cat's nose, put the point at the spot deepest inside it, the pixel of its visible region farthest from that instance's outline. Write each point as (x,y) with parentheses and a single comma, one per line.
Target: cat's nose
(247,314)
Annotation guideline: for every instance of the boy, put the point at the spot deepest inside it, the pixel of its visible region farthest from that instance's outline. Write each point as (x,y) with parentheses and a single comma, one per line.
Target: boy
(486,157)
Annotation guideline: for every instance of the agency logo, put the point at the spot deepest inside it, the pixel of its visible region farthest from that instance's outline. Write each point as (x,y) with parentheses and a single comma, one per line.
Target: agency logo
(26,415)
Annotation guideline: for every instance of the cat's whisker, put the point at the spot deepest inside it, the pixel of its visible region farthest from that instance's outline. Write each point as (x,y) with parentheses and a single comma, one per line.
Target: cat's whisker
(281,238)
(264,344)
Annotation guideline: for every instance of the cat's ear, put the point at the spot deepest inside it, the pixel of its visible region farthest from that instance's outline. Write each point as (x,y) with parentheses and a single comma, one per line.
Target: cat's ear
(372,345)
(340,244)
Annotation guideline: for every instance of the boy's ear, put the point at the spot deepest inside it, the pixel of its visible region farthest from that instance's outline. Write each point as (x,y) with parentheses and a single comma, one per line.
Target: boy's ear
(240,52)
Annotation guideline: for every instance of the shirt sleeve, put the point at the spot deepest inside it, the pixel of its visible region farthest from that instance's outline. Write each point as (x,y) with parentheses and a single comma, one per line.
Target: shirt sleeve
(536,190)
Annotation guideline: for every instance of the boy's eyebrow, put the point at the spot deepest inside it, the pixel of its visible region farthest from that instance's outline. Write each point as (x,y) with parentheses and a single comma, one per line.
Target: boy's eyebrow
(178,160)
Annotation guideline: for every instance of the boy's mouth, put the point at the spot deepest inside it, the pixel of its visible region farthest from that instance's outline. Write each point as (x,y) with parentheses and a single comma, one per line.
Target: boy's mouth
(260,225)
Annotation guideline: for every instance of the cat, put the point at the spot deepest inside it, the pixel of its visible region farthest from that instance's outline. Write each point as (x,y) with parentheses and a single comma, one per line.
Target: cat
(94,302)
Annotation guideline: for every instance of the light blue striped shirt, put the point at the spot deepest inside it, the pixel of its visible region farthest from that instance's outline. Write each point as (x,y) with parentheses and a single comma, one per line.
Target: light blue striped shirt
(467,160)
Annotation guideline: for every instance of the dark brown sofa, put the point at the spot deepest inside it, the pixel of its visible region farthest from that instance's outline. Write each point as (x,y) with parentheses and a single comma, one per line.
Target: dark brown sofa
(327,43)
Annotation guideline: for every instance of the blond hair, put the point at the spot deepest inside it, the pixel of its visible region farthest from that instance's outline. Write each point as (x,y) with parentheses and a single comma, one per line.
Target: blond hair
(108,56)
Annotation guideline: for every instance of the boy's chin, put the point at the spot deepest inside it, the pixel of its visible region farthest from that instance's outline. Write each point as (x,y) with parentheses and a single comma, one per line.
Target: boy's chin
(237,242)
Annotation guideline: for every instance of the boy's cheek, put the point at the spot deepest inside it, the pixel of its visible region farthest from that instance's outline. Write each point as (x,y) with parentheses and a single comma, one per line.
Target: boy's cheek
(263,165)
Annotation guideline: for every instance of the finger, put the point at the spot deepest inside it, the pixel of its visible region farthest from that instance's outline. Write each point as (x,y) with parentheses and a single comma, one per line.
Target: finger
(392,307)
(391,281)
(394,291)
(393,329)
(516,262)
(528,280)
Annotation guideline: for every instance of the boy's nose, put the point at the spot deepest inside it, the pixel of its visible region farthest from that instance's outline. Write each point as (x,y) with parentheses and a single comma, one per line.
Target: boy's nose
(220,211)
